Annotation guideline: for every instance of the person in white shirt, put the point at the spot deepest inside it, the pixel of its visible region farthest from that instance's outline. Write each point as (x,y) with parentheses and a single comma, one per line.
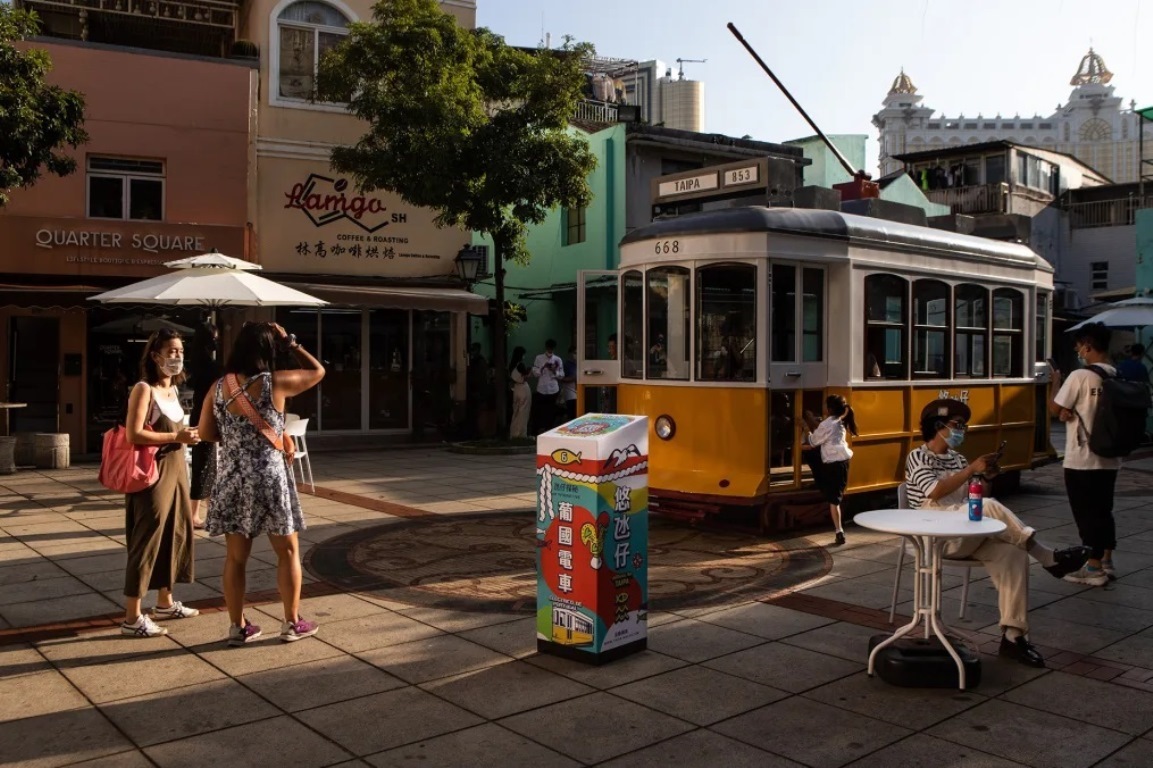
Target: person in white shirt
(547,368)
(831,438)
(1089,478)
(937,477)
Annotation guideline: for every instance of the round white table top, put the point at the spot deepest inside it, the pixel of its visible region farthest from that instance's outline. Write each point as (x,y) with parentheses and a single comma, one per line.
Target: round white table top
(927,522)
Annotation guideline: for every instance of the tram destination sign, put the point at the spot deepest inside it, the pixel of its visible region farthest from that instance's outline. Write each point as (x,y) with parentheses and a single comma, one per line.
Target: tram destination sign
(717,182)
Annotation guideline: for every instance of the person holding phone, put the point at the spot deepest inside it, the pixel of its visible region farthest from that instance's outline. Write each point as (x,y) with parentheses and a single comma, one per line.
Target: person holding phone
(937,476)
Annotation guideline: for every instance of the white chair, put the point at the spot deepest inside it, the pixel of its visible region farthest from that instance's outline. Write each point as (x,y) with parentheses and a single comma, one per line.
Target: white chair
(965,564)
(295,427)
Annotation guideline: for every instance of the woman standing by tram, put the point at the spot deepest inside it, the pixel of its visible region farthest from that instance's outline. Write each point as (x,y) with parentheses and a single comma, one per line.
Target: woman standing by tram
(831,438)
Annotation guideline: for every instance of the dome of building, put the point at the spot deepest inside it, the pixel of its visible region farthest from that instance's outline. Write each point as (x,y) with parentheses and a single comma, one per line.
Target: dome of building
(1091,70)
(902,84)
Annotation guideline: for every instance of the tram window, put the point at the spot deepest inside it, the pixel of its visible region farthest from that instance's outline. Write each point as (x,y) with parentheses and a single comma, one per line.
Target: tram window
(1008,332)
(1041,333)
(784,309)
(930,329)
(971,317)
(885,320)
(667,317)
(812,315)
(727,323)
(632,325)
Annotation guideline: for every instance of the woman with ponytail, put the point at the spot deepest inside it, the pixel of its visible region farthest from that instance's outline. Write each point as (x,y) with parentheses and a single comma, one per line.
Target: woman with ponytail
(831,435)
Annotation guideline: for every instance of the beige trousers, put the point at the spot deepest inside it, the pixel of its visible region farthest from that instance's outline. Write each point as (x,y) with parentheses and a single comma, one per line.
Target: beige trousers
(1003,556)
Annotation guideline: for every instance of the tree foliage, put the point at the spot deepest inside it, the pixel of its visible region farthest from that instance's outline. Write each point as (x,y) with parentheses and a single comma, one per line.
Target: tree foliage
(37,120)
(462,123)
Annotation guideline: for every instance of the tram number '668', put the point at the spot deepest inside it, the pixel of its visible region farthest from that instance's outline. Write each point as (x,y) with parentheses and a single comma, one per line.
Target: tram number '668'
(668,246)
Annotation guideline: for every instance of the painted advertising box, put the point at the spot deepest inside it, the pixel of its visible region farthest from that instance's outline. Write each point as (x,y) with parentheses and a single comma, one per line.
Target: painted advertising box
(592,538)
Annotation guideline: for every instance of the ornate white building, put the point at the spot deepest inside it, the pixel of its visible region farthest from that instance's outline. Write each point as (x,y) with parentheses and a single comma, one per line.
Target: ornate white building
(1092,126)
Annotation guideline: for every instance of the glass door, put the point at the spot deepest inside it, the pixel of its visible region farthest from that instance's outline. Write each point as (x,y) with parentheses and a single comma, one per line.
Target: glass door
(388,369)
(598,363)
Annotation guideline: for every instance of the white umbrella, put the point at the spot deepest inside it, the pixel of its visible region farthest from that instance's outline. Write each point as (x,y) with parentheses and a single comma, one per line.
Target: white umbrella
(209,287)
(1130,313)
(214,259)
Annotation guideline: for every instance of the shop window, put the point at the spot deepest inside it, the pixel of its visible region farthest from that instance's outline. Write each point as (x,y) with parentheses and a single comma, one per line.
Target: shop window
(631,346)
(1100,275)
(886,317)
(124,188)
(930,329)
(971,318)
(307,30)
(667,320)
(574,225)
(727,323)
(1008,332)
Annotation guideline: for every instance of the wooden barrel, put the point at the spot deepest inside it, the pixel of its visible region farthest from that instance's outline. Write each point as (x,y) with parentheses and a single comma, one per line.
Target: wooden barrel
(7,455)
(25,449)
(50,450)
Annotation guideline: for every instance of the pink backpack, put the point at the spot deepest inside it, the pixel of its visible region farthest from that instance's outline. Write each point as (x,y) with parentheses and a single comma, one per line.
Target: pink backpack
(124,467)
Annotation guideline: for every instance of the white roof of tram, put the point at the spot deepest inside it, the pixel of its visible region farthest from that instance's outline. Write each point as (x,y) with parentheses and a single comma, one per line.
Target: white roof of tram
(865,231)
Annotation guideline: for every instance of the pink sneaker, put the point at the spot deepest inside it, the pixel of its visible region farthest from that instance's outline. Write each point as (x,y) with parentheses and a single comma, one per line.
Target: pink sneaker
(291,631)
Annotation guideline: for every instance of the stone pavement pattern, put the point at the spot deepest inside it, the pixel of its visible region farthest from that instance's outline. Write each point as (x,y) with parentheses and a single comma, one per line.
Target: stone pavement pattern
(771,681)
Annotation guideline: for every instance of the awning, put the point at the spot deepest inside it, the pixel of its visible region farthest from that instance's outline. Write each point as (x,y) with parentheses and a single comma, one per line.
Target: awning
(398,297)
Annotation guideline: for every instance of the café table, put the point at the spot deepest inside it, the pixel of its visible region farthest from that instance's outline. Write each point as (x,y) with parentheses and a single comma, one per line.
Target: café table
(927,531)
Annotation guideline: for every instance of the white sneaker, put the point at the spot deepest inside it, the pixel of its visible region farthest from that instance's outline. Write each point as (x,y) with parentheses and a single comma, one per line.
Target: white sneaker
(142,627)
(1094,577)
(177,610)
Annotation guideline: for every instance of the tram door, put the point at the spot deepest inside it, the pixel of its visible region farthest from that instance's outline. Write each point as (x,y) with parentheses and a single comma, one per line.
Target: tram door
(798,373)
(598,366)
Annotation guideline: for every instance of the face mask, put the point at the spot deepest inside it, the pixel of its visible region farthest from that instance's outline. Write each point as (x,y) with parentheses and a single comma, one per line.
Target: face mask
(955,438)
(1082,361)
(172,366)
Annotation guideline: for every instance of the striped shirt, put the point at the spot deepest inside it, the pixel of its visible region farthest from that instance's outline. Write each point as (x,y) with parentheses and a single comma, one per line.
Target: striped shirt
(923,469)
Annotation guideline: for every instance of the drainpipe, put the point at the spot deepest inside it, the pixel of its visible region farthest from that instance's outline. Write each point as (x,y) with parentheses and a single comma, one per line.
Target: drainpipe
(610,198)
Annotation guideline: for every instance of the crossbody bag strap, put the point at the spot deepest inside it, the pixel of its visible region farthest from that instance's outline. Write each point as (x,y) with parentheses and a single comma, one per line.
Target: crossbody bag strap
(248,408)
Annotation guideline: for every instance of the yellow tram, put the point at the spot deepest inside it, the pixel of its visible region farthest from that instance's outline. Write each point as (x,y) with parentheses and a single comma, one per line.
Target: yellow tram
(723,327)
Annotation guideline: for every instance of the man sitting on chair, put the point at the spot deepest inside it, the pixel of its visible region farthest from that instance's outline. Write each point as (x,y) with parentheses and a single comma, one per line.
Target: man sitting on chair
(937,477)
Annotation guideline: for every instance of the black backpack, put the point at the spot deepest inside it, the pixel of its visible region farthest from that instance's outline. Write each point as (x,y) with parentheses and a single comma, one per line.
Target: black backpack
(1119,424)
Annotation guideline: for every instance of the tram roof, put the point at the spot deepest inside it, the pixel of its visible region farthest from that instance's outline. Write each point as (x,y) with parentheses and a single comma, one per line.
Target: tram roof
(834,225)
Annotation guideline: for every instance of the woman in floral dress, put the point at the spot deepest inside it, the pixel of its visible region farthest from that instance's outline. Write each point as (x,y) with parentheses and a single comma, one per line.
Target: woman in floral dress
(254,492)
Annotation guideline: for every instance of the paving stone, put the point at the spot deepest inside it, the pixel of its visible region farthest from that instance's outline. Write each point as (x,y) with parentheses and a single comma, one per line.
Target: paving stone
(771,622)
(129,677)
(268,652)
(104,646)
(694,640)
(786,667)
(569,727)
(626,670)
(133,759)
(399,717)
(41,693)
(916,708)
(701,748)
(432,658)
(807,731)
(1136,650)
(166,715)
(265,742)
(1030,736)
(72,737)
(1093,613)
(1066,635)
(1054,692)
(35,569)
(699,695)
(457,621)
(841,639)
(521,687)
(70,608)
(1136,754)
(19,659)
(921,751)
(486,746)
(514,638)
(318,683)
(377,630)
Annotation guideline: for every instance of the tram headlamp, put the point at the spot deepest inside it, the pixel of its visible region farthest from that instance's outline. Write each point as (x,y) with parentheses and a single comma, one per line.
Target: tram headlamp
(665,427)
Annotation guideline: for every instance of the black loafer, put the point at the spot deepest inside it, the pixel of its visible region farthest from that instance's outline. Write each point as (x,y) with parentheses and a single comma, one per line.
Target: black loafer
(1021,650)
(840,539)
(1068,561)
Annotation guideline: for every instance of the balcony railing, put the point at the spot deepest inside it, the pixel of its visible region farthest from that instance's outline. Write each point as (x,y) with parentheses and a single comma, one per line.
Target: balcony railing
(980,198)
(597,112)
(1106,213)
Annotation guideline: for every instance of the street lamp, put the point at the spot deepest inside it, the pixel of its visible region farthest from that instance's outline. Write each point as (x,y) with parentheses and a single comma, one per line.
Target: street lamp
(468,263)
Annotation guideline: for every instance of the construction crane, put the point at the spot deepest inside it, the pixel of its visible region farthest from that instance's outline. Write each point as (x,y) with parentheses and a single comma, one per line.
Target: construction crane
(681,66)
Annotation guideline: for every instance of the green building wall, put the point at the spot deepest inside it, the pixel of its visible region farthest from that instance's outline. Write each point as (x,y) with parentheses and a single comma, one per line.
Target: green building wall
(548,278)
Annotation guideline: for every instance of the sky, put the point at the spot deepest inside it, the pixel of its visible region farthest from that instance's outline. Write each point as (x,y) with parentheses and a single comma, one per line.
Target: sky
(839,57)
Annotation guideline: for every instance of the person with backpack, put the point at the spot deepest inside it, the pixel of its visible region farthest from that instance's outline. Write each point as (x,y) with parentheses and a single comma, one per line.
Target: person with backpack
(1105,420)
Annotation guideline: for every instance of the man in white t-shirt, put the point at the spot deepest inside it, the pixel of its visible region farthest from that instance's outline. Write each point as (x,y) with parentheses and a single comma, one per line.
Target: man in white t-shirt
(1089,478)
(547,368)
